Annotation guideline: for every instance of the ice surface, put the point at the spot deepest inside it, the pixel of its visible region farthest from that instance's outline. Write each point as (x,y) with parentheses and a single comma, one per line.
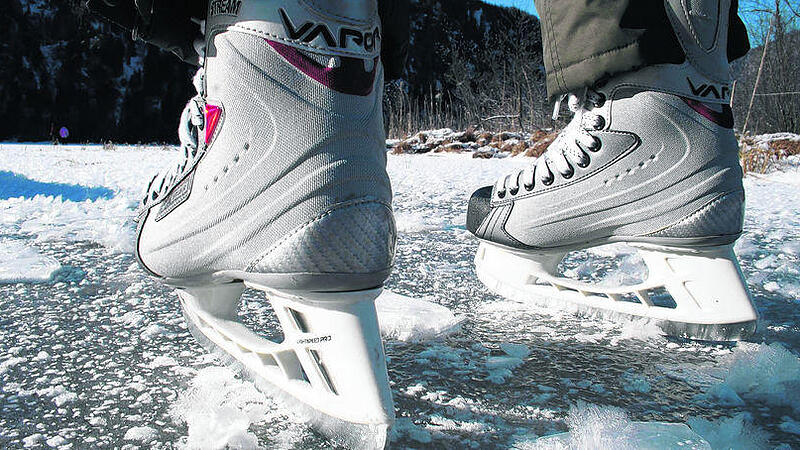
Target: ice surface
(20,263)
(101,349)
(410,319)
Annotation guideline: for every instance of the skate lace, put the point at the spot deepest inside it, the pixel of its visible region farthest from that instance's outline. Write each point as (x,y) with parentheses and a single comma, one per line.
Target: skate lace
(191,125)
(572,146)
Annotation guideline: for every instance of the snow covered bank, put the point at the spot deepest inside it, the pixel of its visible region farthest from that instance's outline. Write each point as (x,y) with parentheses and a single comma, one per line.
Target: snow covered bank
(767,153)
(482,144)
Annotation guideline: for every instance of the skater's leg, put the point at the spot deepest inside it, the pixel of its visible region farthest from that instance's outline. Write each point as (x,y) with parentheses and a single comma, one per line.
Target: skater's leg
(650,158)
(588,41)
(174,25)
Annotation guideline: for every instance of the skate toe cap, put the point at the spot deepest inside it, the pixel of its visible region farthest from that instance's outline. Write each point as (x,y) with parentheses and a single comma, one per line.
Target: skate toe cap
(478,208)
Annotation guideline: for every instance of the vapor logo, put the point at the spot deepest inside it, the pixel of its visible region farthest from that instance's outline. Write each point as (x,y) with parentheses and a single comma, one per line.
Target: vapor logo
(310,31)
(229,7)
(706,90)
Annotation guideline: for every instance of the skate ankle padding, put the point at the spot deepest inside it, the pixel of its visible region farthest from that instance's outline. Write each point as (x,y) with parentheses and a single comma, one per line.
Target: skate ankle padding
(352,238)
(723,216)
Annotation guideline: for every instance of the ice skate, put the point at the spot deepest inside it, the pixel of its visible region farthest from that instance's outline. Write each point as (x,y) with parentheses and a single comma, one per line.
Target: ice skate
(649,159)
(283,189)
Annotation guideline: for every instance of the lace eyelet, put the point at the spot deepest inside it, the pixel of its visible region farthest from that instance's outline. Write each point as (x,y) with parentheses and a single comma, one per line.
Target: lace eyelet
(601,100)
(598,144)
(585,164)
(569,174)
(601,123)
(514,191)
(528,187)
(548,181)
(501,194)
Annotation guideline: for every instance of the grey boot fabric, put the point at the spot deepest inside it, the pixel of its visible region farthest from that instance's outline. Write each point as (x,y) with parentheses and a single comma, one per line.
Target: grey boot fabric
(649,156)
(656,171)
(289,185)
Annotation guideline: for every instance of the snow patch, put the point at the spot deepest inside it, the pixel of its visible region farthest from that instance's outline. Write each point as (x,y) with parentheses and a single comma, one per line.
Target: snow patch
(219,408)
(593,427)
(768,373)
(737,432)
(9,363)
(410,319)
(20,263)
(141,434)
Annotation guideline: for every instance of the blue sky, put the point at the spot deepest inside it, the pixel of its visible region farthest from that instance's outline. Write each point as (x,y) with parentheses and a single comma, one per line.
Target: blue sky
(525,5)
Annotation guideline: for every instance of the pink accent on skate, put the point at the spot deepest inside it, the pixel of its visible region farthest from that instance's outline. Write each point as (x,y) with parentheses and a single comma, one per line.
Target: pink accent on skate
(348,78)
(213,113)
(722,118)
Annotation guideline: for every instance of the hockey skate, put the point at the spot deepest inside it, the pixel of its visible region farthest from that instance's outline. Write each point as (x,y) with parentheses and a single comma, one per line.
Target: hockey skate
(283,189)
(649,159)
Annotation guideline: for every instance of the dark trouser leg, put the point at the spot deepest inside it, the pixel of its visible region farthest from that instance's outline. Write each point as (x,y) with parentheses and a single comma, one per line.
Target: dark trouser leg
(586,41)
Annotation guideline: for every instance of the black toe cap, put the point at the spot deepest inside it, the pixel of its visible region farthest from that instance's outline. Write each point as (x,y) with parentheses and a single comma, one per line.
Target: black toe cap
(478,208)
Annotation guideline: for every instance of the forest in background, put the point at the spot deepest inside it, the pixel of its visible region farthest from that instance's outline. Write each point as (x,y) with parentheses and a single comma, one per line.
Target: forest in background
(470,65)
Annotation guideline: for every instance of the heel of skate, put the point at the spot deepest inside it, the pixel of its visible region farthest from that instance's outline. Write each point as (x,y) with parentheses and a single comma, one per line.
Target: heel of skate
(691,293)
(331,361)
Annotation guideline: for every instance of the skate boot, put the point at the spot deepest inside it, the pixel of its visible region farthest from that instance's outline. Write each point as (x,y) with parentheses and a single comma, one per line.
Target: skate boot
(649,159)
(283,189)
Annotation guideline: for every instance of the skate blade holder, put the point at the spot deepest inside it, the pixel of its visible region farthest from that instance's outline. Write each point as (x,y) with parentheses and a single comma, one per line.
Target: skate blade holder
(330,366)
(690,293)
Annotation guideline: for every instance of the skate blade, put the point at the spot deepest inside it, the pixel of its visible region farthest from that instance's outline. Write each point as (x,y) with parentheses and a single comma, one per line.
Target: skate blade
(330,368)
(695,294)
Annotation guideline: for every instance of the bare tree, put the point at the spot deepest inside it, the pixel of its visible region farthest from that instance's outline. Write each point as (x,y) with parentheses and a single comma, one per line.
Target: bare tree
(774,104)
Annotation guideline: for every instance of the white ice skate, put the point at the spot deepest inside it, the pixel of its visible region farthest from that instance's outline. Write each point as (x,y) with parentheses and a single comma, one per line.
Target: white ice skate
(689,292)
(331,358)
(284,189)
(648,159)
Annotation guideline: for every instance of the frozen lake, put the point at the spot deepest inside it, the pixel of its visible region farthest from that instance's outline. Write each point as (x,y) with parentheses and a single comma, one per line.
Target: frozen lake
(93,353)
